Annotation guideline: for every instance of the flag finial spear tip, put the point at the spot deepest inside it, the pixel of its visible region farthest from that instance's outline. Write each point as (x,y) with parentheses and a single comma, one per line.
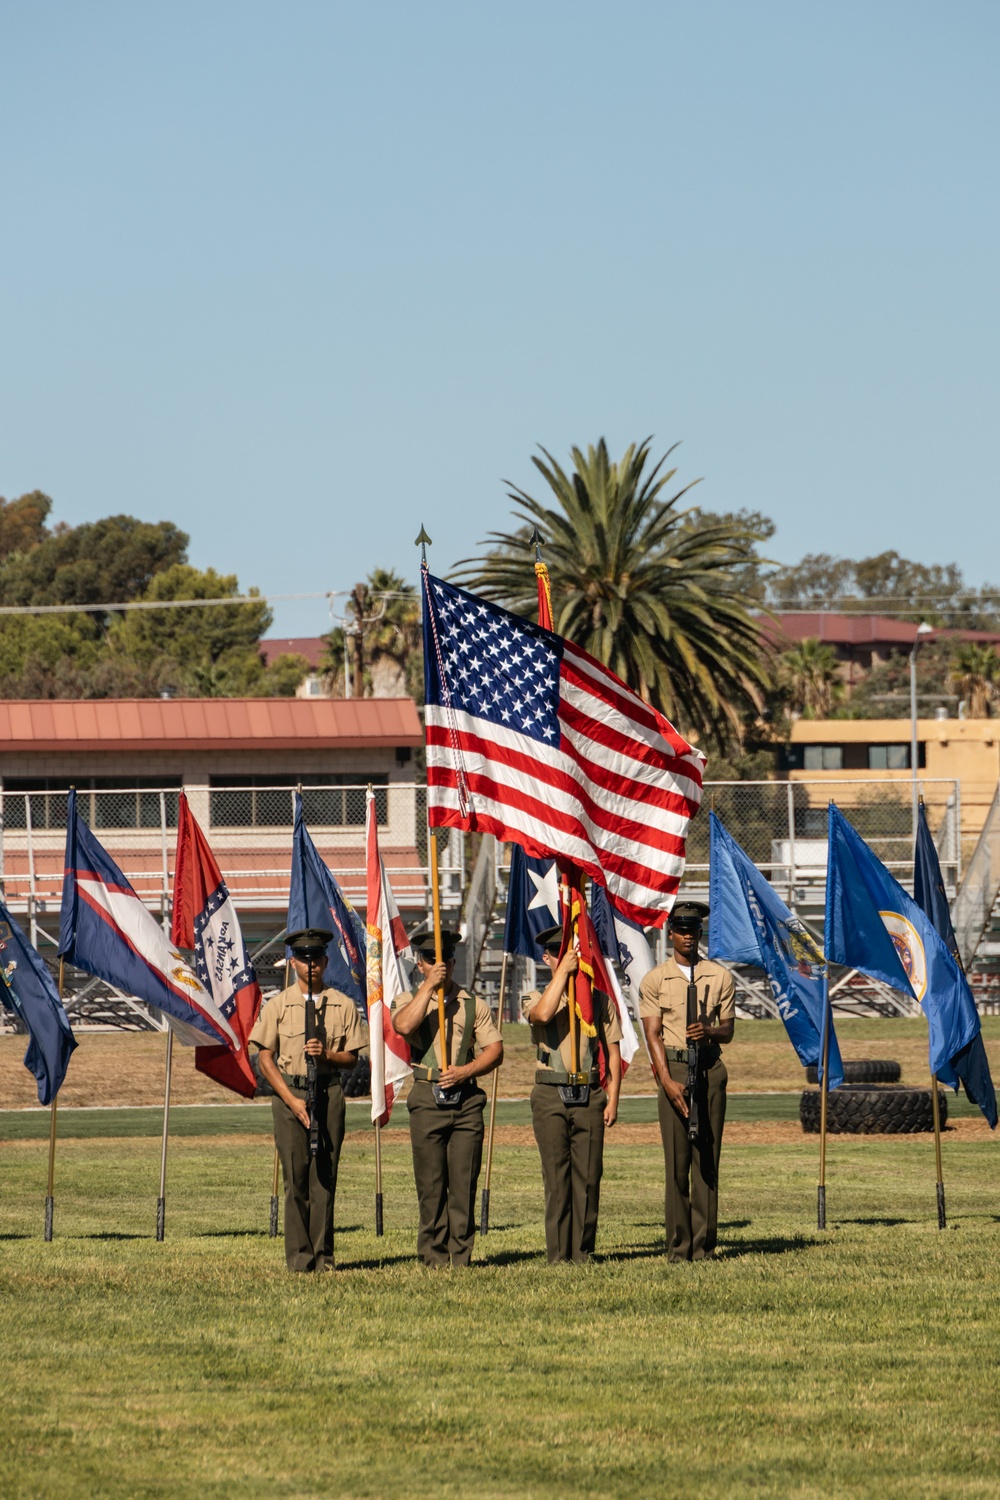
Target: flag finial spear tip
(536,542)
(423,541)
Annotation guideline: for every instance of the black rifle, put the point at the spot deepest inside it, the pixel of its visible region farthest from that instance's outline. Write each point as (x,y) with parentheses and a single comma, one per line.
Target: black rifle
(312,1068)
(691,1087)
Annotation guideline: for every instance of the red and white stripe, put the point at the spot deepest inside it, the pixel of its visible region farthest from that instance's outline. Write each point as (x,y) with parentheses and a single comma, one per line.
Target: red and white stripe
(386,944)
(615,796)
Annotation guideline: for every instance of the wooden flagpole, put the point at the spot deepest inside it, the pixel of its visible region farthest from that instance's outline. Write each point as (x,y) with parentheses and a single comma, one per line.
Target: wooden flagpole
(161,1202)
(50,1189)
(574,1023)
(484,1211)
(824,1096)
(273,1231)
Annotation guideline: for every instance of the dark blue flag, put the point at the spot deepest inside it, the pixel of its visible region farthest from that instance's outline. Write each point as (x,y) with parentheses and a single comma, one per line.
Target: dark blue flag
(970,1063)
(316,900)
(862,895)
(27,991)
(750,924)
(532,903)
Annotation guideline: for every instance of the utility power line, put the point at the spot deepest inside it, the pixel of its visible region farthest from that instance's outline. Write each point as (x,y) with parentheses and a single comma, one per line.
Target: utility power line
(99,609)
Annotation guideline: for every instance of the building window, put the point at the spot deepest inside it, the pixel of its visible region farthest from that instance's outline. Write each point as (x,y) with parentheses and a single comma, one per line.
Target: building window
(888,757)
(266,801)
(824,757)
(102,801)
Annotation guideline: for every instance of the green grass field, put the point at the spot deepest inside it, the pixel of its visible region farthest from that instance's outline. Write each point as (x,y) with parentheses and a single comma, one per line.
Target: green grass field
(862,1361)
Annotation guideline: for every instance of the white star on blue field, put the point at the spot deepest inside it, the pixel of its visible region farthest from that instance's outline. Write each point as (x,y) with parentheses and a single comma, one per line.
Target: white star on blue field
(497,667)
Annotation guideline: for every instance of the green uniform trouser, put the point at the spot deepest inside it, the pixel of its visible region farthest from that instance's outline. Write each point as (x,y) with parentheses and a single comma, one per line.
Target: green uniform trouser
(571,1145)
(310,1183)
(447,1149)
(691,1209)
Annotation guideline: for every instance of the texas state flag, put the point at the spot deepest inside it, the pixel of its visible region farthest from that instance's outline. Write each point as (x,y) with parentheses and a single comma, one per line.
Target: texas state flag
(106,930)
(204,919)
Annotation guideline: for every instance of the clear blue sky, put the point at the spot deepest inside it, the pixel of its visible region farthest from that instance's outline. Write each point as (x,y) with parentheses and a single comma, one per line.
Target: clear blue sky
(303,276)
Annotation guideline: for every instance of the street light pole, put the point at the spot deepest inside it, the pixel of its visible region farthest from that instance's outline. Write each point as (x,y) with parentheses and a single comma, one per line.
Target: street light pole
(922,629)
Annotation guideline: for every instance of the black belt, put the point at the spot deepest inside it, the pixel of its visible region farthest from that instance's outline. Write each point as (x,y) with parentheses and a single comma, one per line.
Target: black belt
(301,1080)
(709,1054)
(560,1080)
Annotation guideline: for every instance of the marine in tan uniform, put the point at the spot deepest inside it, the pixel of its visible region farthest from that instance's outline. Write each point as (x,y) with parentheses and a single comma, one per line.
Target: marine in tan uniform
(570,1136)
(692,1175)
(446,1141)
(280,1036)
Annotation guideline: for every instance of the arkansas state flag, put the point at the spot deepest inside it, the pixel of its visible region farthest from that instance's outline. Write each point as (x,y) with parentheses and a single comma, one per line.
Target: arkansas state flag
(106,930)
(386,941)
(204,919)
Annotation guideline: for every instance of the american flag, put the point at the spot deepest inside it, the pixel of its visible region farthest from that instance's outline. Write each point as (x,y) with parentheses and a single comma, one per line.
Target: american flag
(533,740)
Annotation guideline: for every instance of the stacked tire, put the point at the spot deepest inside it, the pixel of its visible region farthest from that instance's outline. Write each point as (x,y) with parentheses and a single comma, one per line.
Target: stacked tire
(871,1101)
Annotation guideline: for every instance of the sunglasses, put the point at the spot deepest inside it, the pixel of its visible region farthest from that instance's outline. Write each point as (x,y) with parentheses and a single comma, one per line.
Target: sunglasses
(428,956)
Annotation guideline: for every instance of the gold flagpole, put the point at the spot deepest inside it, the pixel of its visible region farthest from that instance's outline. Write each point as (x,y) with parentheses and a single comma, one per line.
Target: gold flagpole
(574,1024)
(821,1190)
(274,1177)
(484,1212)
(161,1202)
(50,1190)
(436,904)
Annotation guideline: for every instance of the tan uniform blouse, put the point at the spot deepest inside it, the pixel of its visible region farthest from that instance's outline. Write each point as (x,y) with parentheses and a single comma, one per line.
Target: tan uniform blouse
(558,1027)
(281,1027)
(484,1031)
(663,993)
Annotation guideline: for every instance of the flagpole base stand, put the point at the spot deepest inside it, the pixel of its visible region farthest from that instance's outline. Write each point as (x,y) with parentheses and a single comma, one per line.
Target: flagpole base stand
(378,1215)
(821,1208)
(50,1204)
(942,1221)
(161,1218)
(273,1226)
(484,1212)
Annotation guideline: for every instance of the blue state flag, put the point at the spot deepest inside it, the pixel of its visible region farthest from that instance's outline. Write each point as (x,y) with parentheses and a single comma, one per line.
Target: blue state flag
(316,900)
(533,903)
(750,924)
(875,927)
(27,991)
(970,1064)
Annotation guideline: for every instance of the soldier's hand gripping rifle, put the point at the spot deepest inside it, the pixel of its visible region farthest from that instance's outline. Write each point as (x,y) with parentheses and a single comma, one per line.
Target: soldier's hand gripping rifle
(691,1086)
(312,1070)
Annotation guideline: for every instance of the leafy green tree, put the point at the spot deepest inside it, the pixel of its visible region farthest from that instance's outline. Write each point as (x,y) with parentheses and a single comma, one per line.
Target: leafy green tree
(639,583)
(100,562)
(22,522)
(211,652)
(888,583)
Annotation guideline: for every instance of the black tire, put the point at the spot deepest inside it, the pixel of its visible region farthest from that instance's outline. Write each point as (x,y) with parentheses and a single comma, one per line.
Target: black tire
(868,1070)
(855,1110)
(358,1082)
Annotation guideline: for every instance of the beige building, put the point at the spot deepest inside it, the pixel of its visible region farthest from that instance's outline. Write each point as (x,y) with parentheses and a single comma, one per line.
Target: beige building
(850,753)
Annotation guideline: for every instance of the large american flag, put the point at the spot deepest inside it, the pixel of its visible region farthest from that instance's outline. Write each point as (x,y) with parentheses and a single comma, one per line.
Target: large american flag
(533,740)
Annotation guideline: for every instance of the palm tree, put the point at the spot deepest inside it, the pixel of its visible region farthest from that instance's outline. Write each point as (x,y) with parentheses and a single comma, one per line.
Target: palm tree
(639,582)
(388,609)
(810,675)
(976,676)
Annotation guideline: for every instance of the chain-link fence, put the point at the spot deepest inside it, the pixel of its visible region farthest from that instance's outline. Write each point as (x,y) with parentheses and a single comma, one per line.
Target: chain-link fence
(248,820)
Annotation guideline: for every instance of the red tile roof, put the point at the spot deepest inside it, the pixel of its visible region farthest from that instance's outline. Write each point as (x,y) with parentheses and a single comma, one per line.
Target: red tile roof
(205,723)
(840,630)
(312,647)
